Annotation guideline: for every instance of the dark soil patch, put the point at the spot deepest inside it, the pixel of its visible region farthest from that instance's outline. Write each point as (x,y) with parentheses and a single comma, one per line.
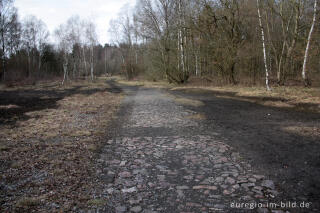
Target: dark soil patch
(260,134)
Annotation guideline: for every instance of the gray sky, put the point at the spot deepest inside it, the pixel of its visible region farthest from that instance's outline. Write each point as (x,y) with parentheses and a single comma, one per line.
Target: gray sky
(55,12)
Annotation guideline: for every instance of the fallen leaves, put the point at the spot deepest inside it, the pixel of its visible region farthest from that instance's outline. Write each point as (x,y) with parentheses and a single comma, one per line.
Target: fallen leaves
(47,152)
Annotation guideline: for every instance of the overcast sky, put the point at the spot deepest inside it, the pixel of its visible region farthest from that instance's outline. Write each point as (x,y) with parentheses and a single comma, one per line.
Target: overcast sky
(55,12)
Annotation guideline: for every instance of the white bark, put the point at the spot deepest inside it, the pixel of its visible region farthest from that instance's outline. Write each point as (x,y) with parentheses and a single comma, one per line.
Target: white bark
(181,41)
(105,60)
(91,68)
(65,70)
(263,47)
(84,60)
(304,77)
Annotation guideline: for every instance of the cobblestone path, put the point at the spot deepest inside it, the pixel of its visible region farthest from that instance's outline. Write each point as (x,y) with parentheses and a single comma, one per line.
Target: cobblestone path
(161,161)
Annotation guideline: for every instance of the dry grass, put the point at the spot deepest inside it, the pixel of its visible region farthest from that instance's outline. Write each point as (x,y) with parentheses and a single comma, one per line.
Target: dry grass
(189,102)
(298,98)
(185,101)
(198,116)
(142,83)
(97,202)
(49,149)
(26,202)
(295,97)
(304,130)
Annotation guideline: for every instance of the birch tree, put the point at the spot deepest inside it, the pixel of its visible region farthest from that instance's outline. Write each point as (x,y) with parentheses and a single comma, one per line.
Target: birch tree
(91,38)
(34,37)
(263,46)
(304,76)
(65,47)
(124,31)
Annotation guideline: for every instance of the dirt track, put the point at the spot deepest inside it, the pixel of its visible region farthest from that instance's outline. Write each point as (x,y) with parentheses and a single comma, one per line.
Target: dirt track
(167,151)
(168,155)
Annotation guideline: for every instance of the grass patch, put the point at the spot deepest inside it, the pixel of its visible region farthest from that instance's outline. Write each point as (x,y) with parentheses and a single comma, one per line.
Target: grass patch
(141,82)
(198,116)
(28,202)
(298,98)
(4,147)
(53,136)
(303,130)
(93,148)
(189,102)
(185,101)
(97,202)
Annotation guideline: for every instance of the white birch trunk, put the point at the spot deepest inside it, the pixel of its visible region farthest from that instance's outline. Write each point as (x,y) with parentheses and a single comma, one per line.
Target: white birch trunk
(105,60)
(197,71)
(304,76)
(91,68)
(84,61)
(181,40)
(65,70)
(39,65)
(264,48)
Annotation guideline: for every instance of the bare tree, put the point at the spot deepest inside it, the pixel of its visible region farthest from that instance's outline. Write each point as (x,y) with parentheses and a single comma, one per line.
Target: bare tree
(91,39)
(263,46)
(304,76)
(123,30)
(34,38)
(8,30)
(65,47)
(76,31)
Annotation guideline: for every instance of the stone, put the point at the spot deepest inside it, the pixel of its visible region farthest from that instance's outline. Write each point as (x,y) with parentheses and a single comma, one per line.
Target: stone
(219,206)
(132,202)
(125,174)
(253,180)
(121,209)
(268,184)
(180,193)
(115,162)
(230,181)
(190,204)
(204,187)
(183,187)
(258,177)
(188,177)
(262,210)
(136,209)
(161,177)
(227,192)
(219,179)
(129,190)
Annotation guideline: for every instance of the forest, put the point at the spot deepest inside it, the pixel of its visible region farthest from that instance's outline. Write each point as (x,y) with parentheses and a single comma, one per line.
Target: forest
(220,41)
(188,106)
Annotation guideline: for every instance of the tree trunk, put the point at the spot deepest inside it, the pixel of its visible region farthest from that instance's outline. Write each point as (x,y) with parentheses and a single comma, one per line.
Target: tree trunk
(263,48)
(39,64)
(84,61)
(105,60)
(65,70)
(29,64)
(304,76)
(91,60)
(3,57)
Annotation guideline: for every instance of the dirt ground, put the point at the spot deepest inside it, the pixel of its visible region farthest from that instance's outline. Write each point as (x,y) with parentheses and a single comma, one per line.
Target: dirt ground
(278,133)
(280,142)
(49,136)
(167,149)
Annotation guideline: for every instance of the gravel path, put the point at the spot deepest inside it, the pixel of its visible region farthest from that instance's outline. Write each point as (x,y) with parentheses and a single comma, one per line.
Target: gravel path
(161,160)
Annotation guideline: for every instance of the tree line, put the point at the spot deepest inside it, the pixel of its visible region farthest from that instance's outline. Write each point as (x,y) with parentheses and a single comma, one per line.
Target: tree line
(223,41)
(228,41)
(27,53)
